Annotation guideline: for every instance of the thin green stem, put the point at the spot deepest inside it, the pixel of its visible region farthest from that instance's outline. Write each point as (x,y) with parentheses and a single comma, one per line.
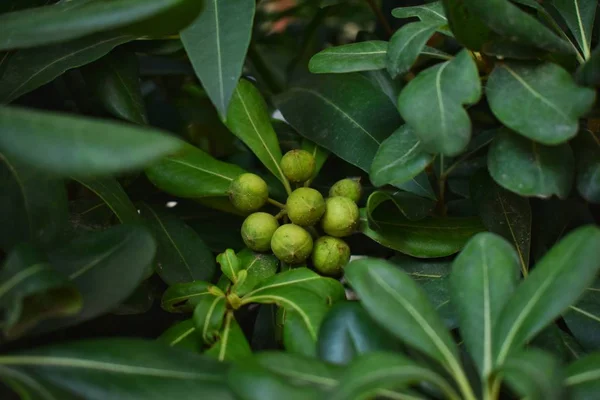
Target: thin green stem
(276,203)
(463,383)
(281,214)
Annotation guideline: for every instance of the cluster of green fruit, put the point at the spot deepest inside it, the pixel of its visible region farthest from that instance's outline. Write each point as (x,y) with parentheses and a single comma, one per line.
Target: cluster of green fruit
(297,239)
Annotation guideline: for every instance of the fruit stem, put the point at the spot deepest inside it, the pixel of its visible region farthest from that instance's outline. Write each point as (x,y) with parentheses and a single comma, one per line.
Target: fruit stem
(281,214)
(276,203)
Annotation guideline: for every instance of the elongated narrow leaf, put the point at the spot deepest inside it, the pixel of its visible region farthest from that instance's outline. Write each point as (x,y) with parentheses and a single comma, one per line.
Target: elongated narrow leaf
(406,45)
(354,57)
(183,334)
(531,169)
(504,213)
(216,43)
(587,153)
(433,12)
(193,173)
(413,208)
(582,377)
(208,317)
(534,374)
(583,318)
(183,297)
(232,345)
(249,120)
(579,16)
(345,114)
(75,146)
(182,256)
(432,104)
(554,102)
(112,193)
(484,276)
(104,368)
(558,280)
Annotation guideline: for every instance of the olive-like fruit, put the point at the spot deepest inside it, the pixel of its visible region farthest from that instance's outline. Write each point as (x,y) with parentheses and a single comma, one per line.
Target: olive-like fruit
(291,244)
(330,255)
(258,229)
(248,192)
(305,206)
(349,187)
(298,165)
(341,216)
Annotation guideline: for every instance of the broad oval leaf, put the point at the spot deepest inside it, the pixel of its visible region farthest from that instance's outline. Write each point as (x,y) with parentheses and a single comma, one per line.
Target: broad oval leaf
(183,297)
(432,104)
(208,317)
(469,31)
(582,377)
(75,146)
(193,173)
(531,169)
(583,318)
(587,155)
(558,280)
(406,45)
(553,101)
(112,193)
(232,345)
(354,57)
(534,374)
(183,334)
(345,114)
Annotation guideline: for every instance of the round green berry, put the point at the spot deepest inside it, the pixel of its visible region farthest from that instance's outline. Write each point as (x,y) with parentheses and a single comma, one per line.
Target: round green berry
(291,244)
(305,206)
(349,187)
(298,165)
(330,255)
(248,192)
(341,216)
(258,229)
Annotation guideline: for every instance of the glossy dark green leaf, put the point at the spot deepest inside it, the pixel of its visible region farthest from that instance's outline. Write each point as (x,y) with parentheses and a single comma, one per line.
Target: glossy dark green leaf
(484,276)
(534,374)
(432,104)
(504,213)
(557,281)
(140,301)
(112,193)
(193,173)
(33,207)
(249,120)
(348,331)
(183,297)
(583,318)
(553,101)
(216,43)
(419,185)
(383,82)
(406,45)
(123,368)
(467,29)
(208,317)
(345,114)
(319,154)
(429,12)
(412,207)
(258,267)
(579,16)
(354,57)
(586,147)
(183,334)
(399,158)
(232,345)
(531,169)
(115,81)
(28,387)
(181,256)
(582,377)
(589,73)
(76,146)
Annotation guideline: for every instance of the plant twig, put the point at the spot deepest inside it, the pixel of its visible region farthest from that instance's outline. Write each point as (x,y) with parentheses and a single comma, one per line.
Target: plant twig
(276,203)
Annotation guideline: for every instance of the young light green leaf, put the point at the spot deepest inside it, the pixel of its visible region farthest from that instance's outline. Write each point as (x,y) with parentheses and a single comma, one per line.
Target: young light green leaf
(182,256)
(406,45)
(216,43)
(193,173)
(399,158)
(412,207)
(75,146)
(531,169)
(258,267)
(432,104)
(208,317)
(112,193)
(586,147)
(319,154)
(553,101)
(484,276)
(232,345)
(583,318)
(433,12)
(183,297)
(582,377)
(534,375)
(558,280)
(230,264)
(249,120)
(579,16)
(184,335)
(354,57)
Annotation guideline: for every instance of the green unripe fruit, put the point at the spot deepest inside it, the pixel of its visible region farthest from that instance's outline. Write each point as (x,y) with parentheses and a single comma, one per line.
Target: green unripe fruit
(298,165)
(258,229)
(329,255)
(291,244)
(348,187)
(341,216)
(305,206)
(248,192)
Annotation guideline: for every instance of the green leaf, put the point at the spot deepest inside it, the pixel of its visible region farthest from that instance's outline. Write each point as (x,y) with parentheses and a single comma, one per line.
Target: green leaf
(470,31)
(429,12)
(419,185)
(484,277)
(582,377)
(258,267)
(432,104)
(33,207)
(183,334)
(249,120)
(123,368)
(353,57)
(553,101)
(383,82)
(534,375)
(230,264)
(399,158)
(216,43)
(31,291)
(586,147)
(345,114)
(232,346)
(319,154)
(505,214)
(183,297)
(29,69)
(208,317)
(193,173)
(579,16)
(531,169)
(412,207)
(589,73)
(348,331)
(75,146)
(583,318)
(112,193)
(182,256)
(406,45)
(558,280)
(116,83)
